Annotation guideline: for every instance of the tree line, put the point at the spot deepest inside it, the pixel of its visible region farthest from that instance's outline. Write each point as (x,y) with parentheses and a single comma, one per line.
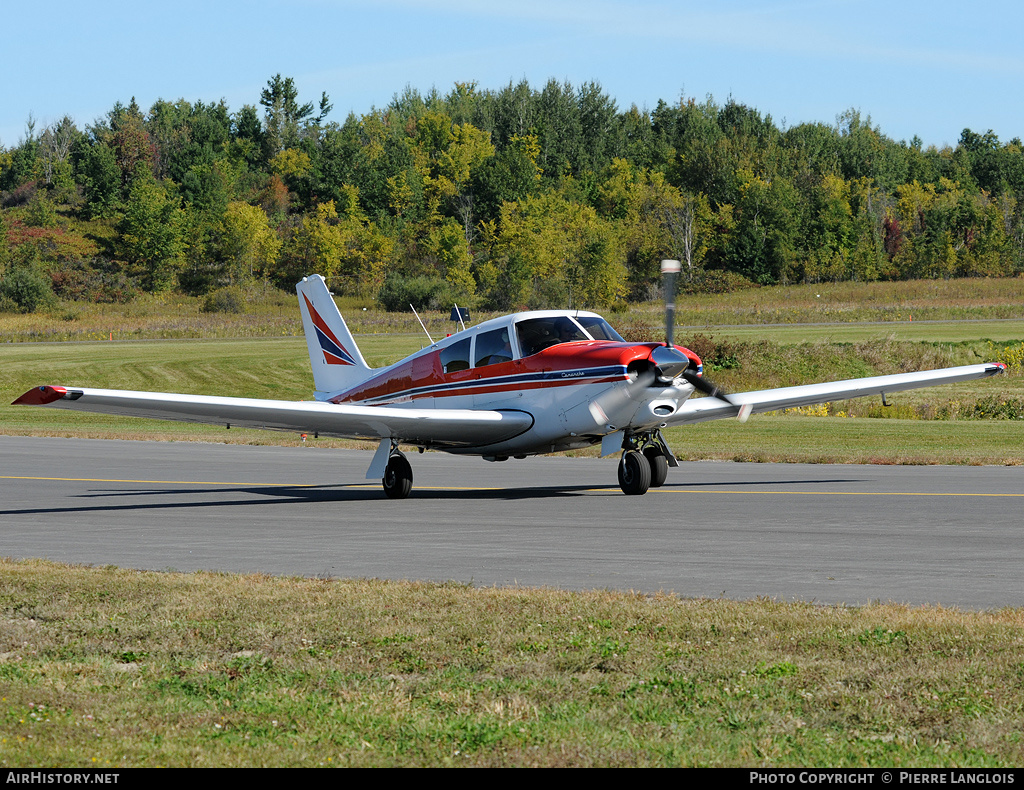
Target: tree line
(494,198)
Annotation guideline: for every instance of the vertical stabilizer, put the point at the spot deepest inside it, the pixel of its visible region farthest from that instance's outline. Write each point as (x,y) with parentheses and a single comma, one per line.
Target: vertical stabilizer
(333,353)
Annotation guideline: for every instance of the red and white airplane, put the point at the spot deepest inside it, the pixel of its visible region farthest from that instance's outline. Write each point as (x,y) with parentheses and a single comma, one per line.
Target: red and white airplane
(524,384)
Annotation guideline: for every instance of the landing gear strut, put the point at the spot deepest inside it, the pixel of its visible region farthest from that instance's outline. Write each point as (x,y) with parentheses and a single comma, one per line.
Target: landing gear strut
(645,462)
(397,478)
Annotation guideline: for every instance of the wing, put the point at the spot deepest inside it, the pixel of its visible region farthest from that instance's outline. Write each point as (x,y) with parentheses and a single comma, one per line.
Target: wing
(427,427)
(703,409)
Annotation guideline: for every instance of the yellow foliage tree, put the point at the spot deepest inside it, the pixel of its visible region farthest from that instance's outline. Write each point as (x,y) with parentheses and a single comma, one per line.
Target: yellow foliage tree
(657,220)
(290,163)
(248,243)
(316,245)
(446,155)
(561,252)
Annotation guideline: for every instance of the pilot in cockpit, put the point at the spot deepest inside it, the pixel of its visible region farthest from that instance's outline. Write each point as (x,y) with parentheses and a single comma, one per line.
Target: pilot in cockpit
(505,354)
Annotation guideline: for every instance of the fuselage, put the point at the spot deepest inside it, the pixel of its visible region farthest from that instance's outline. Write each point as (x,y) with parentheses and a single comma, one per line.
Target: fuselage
(569,370)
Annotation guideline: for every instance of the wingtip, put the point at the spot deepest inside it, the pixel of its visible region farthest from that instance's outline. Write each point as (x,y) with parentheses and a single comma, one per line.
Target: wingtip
(40,396)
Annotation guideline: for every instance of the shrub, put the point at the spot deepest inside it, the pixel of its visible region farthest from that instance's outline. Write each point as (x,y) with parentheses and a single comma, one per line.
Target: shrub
(714,281)
(27,288)
(399,292)
(226,300)
(718,354)
(80,282)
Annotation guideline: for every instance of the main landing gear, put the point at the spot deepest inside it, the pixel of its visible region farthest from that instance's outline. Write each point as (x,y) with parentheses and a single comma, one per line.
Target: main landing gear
(645,462)
(397,478)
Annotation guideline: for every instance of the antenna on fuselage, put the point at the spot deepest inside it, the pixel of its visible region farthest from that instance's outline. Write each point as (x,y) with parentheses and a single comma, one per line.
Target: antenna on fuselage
(421,324)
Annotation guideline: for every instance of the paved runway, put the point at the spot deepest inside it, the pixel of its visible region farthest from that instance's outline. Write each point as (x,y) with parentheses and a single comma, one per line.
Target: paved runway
(835,534)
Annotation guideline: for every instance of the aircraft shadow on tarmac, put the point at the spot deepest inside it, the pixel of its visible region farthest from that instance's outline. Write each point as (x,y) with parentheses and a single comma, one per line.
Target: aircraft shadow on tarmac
(239,496)
(191,498)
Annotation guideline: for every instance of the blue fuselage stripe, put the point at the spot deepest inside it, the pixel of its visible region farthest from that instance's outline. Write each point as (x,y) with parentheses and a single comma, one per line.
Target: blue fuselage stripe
(578,376)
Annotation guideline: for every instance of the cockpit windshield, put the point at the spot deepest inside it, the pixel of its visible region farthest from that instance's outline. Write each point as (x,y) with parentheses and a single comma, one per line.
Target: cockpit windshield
(598,328)
(536,334)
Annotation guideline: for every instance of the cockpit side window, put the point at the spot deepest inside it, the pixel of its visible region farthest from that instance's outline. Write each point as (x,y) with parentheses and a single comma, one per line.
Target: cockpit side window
(456,356)
(493,347)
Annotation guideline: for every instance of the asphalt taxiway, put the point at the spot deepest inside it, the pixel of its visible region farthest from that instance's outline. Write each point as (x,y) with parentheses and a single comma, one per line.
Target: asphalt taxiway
(827,533)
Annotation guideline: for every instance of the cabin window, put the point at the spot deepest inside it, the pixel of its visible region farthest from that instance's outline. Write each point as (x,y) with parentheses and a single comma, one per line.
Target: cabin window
(536,334)
(493,347)
(456,356)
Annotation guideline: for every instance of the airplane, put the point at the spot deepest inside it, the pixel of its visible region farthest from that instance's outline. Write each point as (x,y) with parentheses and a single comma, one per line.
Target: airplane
(524,384)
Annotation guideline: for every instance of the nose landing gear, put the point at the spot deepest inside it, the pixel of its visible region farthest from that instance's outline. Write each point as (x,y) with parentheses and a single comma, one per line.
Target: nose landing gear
(645,462)
(634,473)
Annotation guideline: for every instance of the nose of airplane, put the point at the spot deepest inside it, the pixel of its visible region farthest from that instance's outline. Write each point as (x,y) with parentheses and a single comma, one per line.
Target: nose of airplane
(670,363)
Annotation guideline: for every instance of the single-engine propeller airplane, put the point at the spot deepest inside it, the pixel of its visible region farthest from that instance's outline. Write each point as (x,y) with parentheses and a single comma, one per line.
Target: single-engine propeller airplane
(524,384)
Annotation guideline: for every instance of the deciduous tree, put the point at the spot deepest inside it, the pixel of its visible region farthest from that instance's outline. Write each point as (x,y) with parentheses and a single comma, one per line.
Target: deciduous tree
(151,238)
(248,243)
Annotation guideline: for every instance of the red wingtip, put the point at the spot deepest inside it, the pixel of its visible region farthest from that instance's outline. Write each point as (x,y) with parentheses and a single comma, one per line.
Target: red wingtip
(40,396)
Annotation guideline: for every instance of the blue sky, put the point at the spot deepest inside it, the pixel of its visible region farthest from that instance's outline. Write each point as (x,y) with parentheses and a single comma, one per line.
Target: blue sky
(917,68)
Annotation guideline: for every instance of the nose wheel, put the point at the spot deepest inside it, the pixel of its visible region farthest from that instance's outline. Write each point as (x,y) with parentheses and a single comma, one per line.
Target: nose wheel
(397,478)
(645,462)
(634,473)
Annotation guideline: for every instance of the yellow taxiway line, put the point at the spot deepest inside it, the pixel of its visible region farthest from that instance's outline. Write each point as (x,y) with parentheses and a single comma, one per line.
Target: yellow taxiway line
(162,482)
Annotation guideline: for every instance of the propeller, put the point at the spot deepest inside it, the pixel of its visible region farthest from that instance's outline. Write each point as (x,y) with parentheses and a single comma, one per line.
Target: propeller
(670,270)
(672,363)
(667,364)
(669,361)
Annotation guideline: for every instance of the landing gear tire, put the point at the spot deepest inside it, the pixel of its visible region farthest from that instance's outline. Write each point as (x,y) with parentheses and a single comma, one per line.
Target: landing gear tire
(659,466)
(634,473)
(397,478)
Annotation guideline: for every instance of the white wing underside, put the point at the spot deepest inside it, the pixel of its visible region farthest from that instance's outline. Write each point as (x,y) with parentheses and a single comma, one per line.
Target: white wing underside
(435,427)
(704,409)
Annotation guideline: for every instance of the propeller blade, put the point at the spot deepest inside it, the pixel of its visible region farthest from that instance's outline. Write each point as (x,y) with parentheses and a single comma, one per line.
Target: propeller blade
(669,270)
(615,398)
(707,387)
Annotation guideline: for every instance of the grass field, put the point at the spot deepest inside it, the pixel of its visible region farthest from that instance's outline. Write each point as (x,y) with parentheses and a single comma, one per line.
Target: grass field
(105,667)
(108,667)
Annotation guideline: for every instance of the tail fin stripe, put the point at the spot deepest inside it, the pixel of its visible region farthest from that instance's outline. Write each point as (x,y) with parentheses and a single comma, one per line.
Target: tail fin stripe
(329,343)
(334,352)
(319,322)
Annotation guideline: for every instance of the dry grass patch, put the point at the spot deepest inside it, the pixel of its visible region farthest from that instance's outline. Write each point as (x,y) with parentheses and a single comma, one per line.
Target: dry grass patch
(272,313)
(102,666)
